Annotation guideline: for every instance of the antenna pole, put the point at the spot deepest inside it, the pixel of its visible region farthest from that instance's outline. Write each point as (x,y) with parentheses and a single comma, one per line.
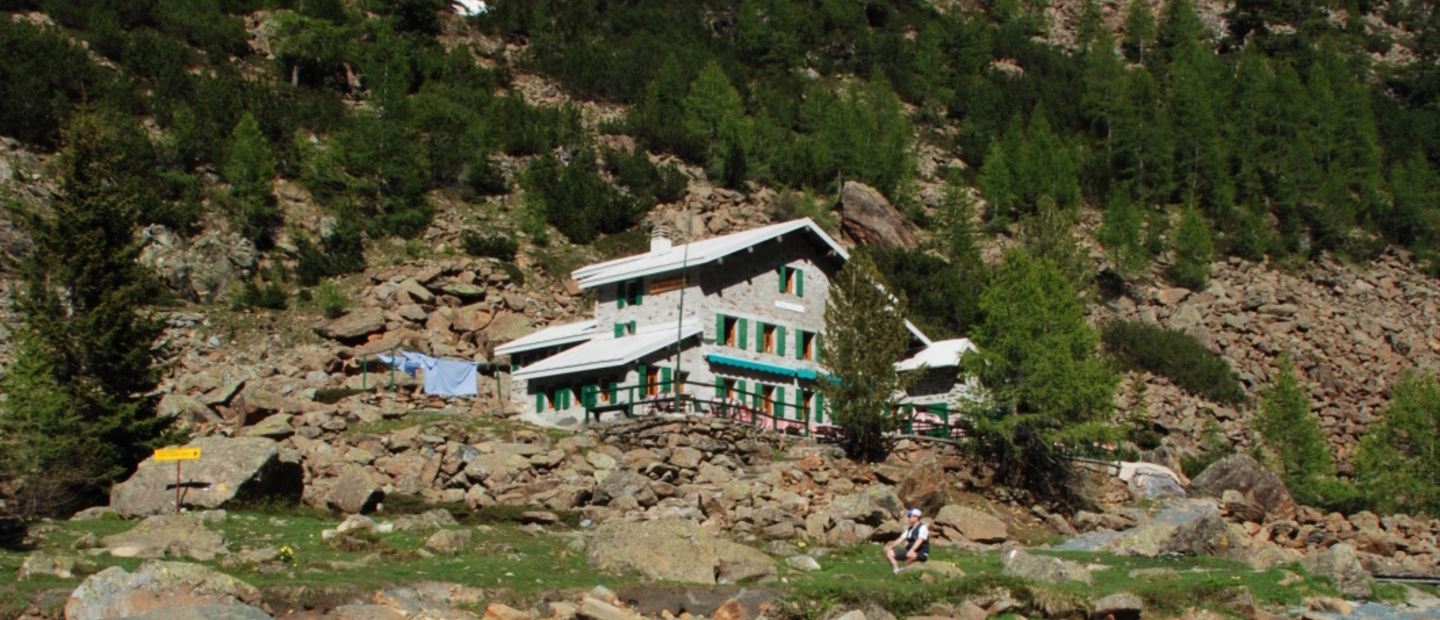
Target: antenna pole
(680,322)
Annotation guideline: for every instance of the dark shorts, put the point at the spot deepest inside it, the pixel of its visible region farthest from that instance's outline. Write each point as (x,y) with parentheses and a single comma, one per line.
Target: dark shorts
(921,555)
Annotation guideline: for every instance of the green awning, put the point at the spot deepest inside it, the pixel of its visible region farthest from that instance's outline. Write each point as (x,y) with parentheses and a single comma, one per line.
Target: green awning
(755,366)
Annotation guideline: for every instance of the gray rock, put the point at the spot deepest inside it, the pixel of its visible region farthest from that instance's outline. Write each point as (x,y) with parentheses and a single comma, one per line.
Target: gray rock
(186,409)
(182,535)
(354,492)
(802,563)
(873,506)
(675,550)
(449,542)
(354,327)
(1207,535)
(1042,568)
(1342,567)
(595,609)
(275,427)
(870,219)
(204,612)
(1119,606)
(244,468)
(45,564)
(974,525)
(416,291)
(625,484)
(939,570)
(466,292)
(154,586)
(1242,473)
(428,520)
(97,512)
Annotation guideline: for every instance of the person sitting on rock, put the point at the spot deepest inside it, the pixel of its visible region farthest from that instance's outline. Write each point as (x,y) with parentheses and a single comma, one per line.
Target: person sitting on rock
(916,541)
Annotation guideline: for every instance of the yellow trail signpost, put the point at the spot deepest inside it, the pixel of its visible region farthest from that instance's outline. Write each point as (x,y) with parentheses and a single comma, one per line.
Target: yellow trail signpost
(178,455)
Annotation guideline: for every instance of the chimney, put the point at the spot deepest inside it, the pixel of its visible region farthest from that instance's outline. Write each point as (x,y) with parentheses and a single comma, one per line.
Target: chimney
(659,239)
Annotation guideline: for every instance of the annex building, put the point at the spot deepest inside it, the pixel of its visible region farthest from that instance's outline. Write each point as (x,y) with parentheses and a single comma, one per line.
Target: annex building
(742,328)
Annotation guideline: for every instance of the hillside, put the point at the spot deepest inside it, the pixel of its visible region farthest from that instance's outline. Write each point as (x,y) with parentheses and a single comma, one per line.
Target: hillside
(440,176)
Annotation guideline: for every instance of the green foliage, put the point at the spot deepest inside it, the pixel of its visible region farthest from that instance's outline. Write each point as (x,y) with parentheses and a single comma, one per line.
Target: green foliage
(1396,464)
(1214,446)
(1121,232)
(1139,428)
(1193,251)
(1028,165)
(42,78)
(250,168)
(575,200)
(268,296)
(1047,390)
(1050,234)
(83,289)
(1175,355)
(635,172)
(791,205)
(942,300)
(339,253)
(513,272)
(491,245)
(1294,436)
(333,301)
(864,334)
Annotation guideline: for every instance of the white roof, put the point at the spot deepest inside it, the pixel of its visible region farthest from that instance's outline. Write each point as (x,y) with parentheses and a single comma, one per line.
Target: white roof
(700,252)
(603,352)
(937,355)
(549,337)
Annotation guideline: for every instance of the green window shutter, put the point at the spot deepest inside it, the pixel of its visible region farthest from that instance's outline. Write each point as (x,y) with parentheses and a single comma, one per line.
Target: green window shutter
(799,282)
(614,390)
(759,337)
(639,291)
(744,329)
(664,379)
(780,340)
(719,388)
(799,344)
(644,372)
(720,329)
(539,401)
(759,398)
(740,391)
(782,278)
(780,402)
(555,398)
(619,330)
(620,295)
(631,327)
(819,345)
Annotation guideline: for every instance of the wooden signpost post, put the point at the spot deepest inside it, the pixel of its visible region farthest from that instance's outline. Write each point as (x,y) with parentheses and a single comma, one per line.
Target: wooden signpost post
(177,455)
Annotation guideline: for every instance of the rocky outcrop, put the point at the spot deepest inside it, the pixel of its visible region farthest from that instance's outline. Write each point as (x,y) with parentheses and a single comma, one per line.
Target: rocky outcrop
(245,468)
(353,327)
(965,523)
(200,269)
(1341,565)
(1042,568)
(870,219)
(156,585)
(170,535)
(675,550)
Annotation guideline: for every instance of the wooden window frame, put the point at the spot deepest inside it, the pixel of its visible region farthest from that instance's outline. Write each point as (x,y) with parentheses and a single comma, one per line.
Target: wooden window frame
(768,332)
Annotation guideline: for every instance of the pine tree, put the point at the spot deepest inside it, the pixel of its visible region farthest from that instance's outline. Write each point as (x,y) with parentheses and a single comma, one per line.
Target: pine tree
(1122,234)
(1050,234)
(82,309)
(1398,462)
(1290,430)
(1193,250)
(250,169)
(711,100)
(1091,28)
(1139,30)
(1104,100)
(864,334)
(1046,386)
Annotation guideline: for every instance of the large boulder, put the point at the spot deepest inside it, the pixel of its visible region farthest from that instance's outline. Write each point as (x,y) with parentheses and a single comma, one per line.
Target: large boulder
(354,327)
(353,492)
(1341,565)
(971,524)
(205,612)
(1208,535)
(200,270)
(156,585)
(158,536)
(1042,568)
(924,486)
(870,219)
(675,550)
(623,483)
(244,468)
(873,506)
(1119,606)
(1246,475)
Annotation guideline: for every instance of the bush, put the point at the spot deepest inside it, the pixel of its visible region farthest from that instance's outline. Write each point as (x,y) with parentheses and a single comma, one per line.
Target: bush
(577,201)
(333,301)
(491,245)
(271,296)
(644,179)
(1175,355)
(42,78)
(339,253)
(513,271)
(1193,251)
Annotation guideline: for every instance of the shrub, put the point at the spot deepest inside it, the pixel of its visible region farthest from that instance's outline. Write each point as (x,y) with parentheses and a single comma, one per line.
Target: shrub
(333,301)
(1175,355)
(627,243)
(637,173)
(1193,251)
(1215,447)
(41,79)
(491,245)
(513,271)
(271,296)
(577,201)
(339,253)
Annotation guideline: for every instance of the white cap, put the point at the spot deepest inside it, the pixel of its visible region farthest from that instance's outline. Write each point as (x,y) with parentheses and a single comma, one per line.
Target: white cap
(914,512)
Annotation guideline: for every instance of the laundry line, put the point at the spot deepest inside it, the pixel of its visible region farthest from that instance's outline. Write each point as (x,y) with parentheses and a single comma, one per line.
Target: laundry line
(442,377)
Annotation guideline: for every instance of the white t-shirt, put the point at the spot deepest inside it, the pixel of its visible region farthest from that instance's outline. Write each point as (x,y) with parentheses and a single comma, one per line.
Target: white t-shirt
(921,533)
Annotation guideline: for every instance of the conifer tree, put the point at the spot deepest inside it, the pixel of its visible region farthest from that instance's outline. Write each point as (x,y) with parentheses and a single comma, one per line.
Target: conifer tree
(1193,250)
(90,372)
(250,169)
(1398,461)
(864,334)
(1048,392)
(1139,30)
(1122,234)
(1290,430)
(1091,27)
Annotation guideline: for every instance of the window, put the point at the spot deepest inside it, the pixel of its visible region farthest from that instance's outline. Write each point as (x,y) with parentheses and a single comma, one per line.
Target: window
(806,398)
(768,344)
(728,326)
(652,381)
(805,345)
(625,329)
(792,281)
(680,379)
(767,402)
(725,388)
(631,292)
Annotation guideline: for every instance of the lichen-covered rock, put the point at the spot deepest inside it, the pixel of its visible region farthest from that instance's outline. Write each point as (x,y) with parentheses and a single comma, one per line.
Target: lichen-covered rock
(974,525)
(1341,565)
(156,585)
(675,550)
(243,468)
(179,536)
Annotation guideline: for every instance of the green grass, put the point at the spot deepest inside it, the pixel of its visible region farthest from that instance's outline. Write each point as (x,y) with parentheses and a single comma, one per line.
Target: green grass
(518,566)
